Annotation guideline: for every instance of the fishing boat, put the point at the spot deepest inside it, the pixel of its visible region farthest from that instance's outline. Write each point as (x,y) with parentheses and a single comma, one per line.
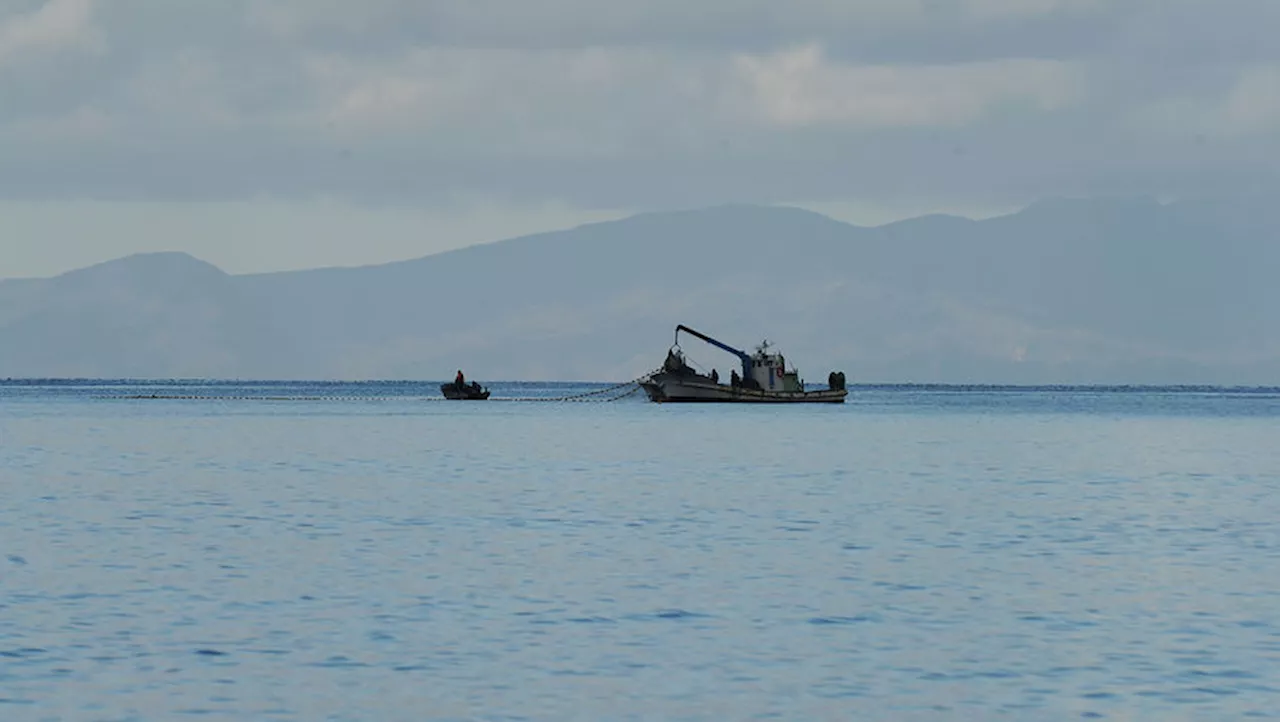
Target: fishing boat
(764,379)
(464,392)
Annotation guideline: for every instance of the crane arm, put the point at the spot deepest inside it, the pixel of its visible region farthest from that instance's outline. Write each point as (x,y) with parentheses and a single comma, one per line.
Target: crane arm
(746,360)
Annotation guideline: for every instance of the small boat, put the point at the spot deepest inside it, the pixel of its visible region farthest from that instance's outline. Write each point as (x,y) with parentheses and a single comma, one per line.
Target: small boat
(464,392)
(764,379)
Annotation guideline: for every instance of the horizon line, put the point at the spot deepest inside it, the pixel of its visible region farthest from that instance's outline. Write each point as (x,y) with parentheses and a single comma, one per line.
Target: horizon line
(866,385)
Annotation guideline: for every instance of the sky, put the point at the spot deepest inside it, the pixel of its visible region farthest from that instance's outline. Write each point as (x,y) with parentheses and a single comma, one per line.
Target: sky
(270,134)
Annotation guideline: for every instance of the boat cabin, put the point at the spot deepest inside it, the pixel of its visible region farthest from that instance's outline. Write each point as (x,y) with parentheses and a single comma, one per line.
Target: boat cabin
(769,370)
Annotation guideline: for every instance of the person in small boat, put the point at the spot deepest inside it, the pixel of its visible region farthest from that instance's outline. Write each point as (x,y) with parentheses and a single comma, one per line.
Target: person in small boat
(458,380)
(715,376)
(734,379)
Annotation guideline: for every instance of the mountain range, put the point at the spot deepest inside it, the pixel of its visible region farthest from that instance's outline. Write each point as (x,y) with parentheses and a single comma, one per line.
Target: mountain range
(1065,291)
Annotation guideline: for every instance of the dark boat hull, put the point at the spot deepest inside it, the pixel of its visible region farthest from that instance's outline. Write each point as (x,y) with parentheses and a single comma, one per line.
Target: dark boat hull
(672,388)
(463,393)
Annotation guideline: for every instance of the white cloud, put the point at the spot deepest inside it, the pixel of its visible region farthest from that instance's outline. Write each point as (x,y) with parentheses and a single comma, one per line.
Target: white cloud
(294,18)
(193,88)
(592,99)
(82,123)
(1245,103)
(586,23)
(953,103)
(799,87)
(53,26)
(1253,103)
(522,102)
(1000,8)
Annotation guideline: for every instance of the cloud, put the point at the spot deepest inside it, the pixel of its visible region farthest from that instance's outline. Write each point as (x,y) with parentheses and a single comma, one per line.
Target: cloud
(1253,104)
(1242,105)
(79,124)
(1003,8)
(52,26)
(593,100)
(667,23)
(643,105)
(797,88)
(517,102)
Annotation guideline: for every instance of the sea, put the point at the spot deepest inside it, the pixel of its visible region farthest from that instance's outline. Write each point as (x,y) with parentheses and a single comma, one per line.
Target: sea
(369,551)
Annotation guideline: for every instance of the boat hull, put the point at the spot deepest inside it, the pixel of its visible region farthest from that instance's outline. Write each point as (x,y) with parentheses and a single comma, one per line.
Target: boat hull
(663,388)
(463,393)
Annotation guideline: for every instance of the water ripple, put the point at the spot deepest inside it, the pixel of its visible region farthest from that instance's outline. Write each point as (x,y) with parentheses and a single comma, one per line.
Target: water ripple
(919,555)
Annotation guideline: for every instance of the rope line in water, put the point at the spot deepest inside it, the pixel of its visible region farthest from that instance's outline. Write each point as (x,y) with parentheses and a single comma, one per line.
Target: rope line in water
(595,395)
(617,392)
(192,397)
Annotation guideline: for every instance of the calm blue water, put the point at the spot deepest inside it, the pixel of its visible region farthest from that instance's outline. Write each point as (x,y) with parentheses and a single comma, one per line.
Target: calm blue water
(916,554)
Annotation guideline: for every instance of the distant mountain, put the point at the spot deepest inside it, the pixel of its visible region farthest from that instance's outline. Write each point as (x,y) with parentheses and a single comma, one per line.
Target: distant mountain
(1065,291)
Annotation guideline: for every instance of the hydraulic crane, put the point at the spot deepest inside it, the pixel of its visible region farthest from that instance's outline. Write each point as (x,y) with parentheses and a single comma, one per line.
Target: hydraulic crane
(746,360)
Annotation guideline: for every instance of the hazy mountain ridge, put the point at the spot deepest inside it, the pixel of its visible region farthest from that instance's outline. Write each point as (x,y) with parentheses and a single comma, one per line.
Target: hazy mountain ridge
(1066,291)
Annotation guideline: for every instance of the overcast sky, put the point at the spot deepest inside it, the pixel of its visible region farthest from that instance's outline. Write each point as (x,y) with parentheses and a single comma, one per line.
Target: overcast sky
(265,134)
